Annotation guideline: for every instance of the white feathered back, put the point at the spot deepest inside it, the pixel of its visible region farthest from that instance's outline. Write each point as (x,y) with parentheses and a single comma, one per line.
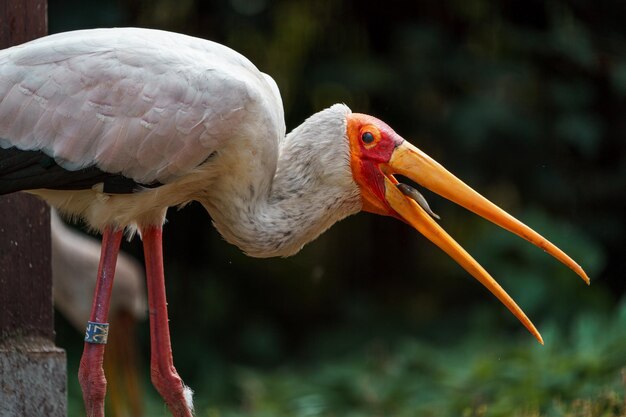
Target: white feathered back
(148,104)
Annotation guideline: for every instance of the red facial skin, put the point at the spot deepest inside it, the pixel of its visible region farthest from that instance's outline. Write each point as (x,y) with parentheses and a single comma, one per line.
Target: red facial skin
(366,160)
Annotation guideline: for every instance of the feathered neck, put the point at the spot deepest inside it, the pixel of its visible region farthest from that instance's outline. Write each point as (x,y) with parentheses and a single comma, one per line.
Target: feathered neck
(311,189)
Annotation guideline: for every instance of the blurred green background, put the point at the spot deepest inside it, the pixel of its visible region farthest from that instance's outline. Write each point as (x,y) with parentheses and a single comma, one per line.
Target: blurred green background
(525,101)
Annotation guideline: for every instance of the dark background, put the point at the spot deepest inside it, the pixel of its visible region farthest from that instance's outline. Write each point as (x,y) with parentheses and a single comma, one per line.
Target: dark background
(523,100)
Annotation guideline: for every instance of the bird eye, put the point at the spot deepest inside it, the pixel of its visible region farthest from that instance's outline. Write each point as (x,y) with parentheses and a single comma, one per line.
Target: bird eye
(367,137)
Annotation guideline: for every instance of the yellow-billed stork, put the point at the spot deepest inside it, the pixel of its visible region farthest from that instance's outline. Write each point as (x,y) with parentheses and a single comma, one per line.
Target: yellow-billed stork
(116,125)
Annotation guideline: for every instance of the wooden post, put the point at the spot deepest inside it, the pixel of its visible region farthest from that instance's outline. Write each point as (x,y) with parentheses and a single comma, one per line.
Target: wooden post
(32,369)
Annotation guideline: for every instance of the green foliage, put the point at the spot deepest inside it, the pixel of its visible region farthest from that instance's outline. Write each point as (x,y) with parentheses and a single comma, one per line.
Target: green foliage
(579,372)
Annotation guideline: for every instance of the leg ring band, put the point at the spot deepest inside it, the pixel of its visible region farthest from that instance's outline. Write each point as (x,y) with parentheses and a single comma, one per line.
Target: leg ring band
(96,332)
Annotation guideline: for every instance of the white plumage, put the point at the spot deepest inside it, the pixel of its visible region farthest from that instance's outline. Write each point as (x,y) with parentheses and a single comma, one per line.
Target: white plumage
(162,107)
(148,104)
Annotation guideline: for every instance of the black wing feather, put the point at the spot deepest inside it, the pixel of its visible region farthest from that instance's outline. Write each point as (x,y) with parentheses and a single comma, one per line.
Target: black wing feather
(30,170)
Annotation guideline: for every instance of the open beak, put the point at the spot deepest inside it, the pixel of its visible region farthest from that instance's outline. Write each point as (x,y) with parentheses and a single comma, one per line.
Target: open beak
(409,161)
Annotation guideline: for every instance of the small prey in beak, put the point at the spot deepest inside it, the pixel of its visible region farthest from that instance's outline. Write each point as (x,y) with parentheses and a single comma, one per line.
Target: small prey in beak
(411,192)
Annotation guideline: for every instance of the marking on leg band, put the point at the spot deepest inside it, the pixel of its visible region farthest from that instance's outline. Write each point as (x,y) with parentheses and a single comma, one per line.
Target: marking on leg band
(96,332)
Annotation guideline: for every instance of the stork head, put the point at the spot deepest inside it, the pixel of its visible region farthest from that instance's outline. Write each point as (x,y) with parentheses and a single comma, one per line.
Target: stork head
(378,153)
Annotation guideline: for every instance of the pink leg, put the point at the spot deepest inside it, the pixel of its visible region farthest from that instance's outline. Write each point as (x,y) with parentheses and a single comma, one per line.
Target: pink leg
(90,373)
(164,376)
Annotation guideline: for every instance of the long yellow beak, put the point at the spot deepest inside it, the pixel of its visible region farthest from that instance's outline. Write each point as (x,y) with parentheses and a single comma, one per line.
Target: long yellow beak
(409,161)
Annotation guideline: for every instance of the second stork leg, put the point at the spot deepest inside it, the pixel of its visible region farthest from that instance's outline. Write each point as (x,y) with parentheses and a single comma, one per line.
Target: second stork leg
(91,373)
(165,379)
